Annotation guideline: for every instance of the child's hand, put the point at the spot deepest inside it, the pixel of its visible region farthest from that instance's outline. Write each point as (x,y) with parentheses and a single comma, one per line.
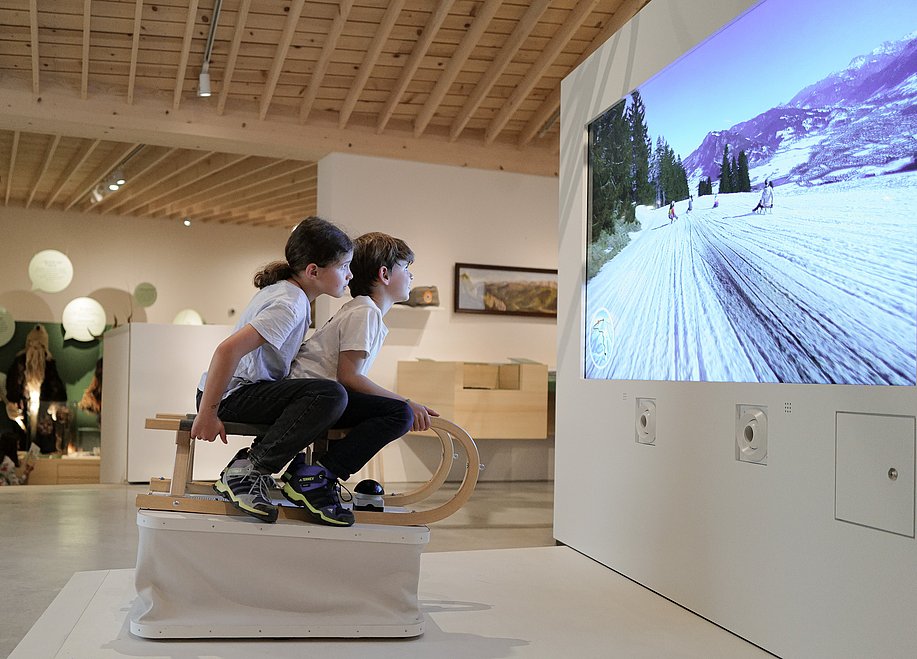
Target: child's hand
(208,427)
(422,415)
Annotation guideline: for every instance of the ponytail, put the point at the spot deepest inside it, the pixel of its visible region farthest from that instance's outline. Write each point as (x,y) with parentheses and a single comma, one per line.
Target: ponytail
(272,273)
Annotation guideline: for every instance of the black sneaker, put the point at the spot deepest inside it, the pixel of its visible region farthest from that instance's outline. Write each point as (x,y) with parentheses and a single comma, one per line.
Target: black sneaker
(317,490)
(247,489)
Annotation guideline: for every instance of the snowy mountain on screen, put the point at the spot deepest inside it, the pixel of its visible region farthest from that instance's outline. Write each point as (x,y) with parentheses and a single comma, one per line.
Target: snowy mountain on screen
(858,122)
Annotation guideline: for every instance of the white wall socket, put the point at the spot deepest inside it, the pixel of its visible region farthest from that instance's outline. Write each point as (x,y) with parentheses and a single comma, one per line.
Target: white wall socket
(751,434)
(645,421)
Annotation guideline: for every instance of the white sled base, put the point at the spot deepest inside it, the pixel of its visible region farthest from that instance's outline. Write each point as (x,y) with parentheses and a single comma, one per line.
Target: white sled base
(217,576)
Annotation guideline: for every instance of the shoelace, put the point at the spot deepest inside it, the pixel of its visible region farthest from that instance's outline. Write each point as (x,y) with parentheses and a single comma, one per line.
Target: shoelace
(338,486)
(262,485)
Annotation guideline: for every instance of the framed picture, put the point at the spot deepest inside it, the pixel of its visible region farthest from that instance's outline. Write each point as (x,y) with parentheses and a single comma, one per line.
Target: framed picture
(494,289)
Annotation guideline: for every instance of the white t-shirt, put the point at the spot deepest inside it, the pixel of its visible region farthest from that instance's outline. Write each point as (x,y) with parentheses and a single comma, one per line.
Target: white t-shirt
(356,326)
(280,314)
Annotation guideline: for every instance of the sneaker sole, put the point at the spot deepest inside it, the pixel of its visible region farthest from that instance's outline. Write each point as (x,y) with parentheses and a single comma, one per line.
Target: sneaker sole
(298,499)
(267,516)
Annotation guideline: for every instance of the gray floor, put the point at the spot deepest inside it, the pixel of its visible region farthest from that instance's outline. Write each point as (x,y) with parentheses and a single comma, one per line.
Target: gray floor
(50,532)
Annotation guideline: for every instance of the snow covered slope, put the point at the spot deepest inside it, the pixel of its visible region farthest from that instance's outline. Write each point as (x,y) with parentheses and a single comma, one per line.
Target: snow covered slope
(822,290)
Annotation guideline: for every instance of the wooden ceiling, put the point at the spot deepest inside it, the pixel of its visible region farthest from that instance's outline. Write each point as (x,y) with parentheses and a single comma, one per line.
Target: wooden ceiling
(94,88)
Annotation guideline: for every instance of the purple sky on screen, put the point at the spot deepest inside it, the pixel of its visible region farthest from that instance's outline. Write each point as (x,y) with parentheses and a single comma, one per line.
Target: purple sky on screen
(762,60)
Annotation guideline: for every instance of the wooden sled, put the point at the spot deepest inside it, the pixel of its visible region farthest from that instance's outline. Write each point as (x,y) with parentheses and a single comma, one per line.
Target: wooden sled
(181,494)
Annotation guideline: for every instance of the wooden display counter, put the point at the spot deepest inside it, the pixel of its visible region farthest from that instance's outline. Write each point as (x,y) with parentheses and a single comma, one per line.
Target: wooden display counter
(65,471)
(491,401)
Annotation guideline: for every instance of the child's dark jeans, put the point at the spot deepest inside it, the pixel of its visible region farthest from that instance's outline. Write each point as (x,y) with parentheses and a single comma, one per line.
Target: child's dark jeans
(374,421)
(298,411)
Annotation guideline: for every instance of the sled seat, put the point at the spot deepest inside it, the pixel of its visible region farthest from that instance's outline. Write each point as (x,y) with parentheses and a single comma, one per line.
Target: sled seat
(181,494)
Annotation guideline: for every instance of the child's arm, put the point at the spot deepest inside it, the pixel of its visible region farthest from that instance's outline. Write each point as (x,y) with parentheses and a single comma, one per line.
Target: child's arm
(207,424)
(349,364)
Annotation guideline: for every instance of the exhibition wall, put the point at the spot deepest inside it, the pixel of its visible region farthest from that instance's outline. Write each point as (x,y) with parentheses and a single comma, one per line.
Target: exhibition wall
(807,549)
(447,215)
(206,267)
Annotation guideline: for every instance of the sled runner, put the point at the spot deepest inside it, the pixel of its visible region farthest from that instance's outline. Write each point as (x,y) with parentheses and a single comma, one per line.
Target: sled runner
(181,494)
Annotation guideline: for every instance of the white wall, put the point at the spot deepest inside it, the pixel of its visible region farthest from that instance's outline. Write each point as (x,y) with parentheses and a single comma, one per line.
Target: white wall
(756,549)
(448,215)
(206,267)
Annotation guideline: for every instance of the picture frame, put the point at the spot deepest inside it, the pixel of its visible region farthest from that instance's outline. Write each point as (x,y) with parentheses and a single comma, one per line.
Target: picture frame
(505,290)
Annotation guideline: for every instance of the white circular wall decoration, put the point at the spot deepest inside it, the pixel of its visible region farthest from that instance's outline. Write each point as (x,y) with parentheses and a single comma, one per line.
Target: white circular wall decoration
(188,317)
(145,294)
(50,271)
(7,326)
(83,319)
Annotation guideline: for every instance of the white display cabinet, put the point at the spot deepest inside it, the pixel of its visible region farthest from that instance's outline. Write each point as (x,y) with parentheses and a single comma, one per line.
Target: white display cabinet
(150,369)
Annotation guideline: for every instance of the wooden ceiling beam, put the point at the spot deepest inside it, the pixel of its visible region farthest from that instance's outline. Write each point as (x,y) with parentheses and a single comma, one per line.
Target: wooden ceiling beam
(456,63)
(211,211)
(193,127)
(228,179)
(88,147)
(260,217)
(49,155)
(369,61)
(410,68)
(523,28)
(550,107)
(185,50)
(289,30)
(135,48)
(192,178)
(100,173)
(253,201)
(84,74)
(33,39)
(318,73)
(301,176)
(267,200)
(166,166)
(234,186)
(241,17)
(165,182)
(9,177)
(576,18)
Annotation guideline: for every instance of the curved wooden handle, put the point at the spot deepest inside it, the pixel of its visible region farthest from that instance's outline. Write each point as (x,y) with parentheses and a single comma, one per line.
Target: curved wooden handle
(443,429)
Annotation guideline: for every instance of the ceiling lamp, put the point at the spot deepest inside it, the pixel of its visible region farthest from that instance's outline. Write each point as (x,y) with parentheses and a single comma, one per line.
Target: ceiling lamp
(203,80)
(114,180)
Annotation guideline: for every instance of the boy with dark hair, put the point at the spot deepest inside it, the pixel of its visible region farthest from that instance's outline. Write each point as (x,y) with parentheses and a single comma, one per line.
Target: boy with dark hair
(344,349)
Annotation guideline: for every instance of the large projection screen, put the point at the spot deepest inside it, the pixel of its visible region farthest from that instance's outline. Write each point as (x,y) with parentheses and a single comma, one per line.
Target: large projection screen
(766,547)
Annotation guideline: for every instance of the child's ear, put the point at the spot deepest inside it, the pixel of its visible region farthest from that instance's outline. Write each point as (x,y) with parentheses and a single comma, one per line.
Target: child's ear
(384,275)
(312,270)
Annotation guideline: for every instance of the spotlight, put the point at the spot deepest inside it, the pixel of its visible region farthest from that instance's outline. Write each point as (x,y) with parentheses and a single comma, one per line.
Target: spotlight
(113,186)
(187,222)
(203,84)
(97,194)
(119,177)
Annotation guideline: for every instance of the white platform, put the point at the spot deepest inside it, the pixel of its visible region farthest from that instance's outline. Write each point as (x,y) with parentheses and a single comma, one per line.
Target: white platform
(541,602)
(221,576)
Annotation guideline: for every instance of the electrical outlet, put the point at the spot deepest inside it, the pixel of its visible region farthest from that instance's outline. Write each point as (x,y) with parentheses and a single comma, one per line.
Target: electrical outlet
(751,434)
(645,422)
